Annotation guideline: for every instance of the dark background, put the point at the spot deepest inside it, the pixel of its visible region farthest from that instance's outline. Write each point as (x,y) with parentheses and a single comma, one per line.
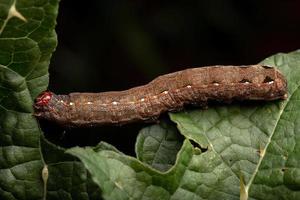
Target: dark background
(116,44)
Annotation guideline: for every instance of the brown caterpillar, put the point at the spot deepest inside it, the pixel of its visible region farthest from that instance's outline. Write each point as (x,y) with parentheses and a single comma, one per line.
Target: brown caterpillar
(169,92)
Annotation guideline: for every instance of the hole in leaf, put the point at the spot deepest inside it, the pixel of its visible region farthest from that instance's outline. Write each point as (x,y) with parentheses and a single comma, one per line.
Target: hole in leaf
(283,169)
(197,146)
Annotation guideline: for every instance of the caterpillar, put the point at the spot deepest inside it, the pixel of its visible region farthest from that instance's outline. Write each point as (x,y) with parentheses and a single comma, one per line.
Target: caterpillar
(168,92)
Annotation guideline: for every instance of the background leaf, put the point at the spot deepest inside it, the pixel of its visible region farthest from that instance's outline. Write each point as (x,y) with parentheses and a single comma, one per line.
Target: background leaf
(124,177)
(157,145)
(68,178)
(255,141)
(26,46)
(255,146)
(27,40)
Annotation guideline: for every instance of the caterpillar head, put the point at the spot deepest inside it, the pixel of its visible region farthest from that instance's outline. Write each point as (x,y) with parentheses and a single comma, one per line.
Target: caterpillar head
(49,106)
(43,99)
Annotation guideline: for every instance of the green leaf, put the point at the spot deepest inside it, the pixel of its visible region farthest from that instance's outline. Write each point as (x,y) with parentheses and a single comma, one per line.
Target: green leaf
(27,40)
(253,152)
(157,145)
(124,177)
(105,146)
(68,178)
(259,142)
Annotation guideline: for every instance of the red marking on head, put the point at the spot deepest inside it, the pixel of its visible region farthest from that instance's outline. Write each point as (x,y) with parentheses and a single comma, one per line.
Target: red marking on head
(43,99)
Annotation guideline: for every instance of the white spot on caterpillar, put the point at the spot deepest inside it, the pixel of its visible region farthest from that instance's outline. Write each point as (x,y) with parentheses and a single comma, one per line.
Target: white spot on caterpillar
(155,97)
(188,86)
(285,96)
(271,82)
(89,102)
(114,103)
(246,83)
(216,84)
(61,101)
(165,92)
(142,99)
(71,103)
